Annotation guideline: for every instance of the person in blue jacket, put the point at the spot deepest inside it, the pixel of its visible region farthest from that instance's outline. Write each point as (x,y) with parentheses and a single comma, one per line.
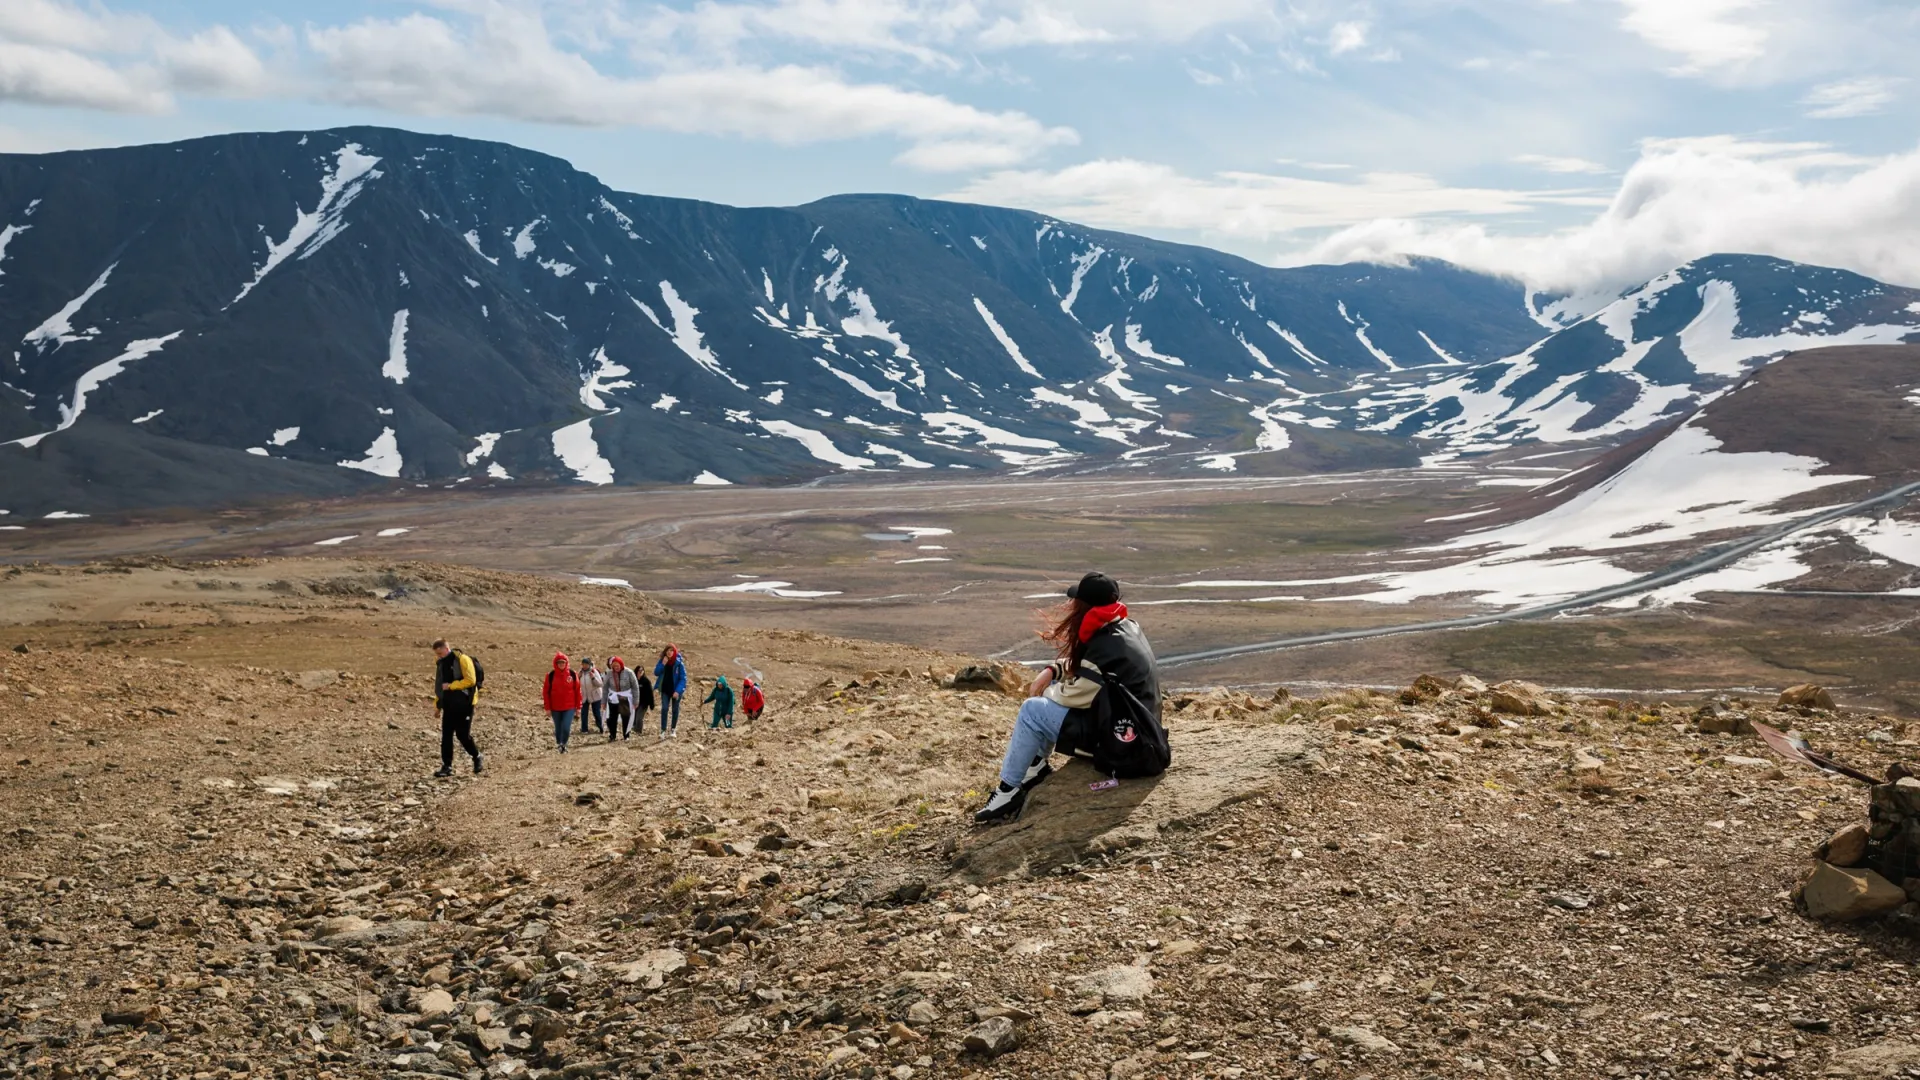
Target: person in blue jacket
(670,682)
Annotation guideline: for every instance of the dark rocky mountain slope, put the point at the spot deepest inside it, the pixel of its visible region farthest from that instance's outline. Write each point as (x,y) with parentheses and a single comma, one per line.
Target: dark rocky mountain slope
(315,313)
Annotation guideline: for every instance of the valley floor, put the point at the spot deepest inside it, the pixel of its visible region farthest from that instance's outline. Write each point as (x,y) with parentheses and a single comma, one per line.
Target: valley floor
(961,567)
(223,856)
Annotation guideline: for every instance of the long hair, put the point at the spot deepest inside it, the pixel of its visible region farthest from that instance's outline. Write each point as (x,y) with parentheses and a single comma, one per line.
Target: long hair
(1061,628)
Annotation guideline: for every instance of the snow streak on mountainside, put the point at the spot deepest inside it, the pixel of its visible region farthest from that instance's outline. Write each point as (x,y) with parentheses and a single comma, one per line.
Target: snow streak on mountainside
(400,299)
(1655,353)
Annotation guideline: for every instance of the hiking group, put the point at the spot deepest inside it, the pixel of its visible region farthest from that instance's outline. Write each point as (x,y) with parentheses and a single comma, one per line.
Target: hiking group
(617,701)
(1099,699)
(614,702)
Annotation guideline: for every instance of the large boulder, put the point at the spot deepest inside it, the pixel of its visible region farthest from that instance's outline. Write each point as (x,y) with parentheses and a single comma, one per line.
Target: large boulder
(1806,696)
(1875,1060)
(1839,894)
(1424,688)
(1065,820)
(1846,847)
(1519,698)
(653,969)
(1120,983)
(1001,677)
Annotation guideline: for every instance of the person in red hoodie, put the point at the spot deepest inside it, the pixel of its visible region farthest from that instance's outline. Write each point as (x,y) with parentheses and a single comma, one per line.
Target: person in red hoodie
(561,696)
(752,700)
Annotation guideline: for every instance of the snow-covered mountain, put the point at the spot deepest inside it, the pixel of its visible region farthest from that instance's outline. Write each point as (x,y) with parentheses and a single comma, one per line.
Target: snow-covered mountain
(1655,353)
(320,312)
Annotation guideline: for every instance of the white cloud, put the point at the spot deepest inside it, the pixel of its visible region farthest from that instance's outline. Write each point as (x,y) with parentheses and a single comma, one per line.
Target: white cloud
(1040,26)
(1345,37)
(1851,97)
(910,28)
(54,52)
(1130,194)
(1709,34)
(214,61)
(504,63)
(1551,164)
(66,25)
(48,75)
(1161,20)
(1684,199)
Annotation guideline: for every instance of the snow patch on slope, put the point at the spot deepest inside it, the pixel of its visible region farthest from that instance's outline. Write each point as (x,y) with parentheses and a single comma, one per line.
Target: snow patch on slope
(382,458)
(1116,380)
(1138,345)
(1005,339)
(94,378)
(1710,342)
(1081,264)
(603,379)
(1295,344)
(574,445)
(396,366)
(686,335)
(473,241)
(817,444)
(352,168)
(523,242)
(886,398)
(483,448)
(59,326)
(1684,487)
(6,237)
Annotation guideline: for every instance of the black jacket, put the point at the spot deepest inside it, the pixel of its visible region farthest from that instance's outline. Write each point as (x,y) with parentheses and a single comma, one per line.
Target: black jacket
(1120,651)
(1121,731)
(454,681)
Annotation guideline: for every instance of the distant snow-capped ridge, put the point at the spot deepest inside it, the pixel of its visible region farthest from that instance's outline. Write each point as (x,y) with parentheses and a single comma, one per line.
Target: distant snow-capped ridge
(439,311)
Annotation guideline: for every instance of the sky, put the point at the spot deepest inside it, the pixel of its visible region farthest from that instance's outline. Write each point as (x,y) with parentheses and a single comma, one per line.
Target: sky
(1578,145)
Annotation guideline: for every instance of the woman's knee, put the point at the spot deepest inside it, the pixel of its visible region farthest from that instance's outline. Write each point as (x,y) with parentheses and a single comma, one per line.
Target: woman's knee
(1038,713)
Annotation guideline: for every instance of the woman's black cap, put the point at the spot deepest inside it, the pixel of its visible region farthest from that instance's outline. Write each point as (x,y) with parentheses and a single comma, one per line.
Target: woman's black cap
(1096,590)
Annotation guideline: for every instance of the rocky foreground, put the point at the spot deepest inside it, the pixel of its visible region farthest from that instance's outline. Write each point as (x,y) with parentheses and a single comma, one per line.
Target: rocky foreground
(223,857)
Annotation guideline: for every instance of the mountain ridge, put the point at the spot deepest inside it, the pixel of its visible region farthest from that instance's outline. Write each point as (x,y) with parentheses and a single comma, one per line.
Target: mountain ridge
(366,305)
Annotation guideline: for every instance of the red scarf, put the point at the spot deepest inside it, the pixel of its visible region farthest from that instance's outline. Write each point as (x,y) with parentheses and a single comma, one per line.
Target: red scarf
(1095,618)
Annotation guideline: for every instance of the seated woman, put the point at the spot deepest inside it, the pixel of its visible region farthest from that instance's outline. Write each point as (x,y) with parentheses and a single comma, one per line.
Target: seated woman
(1100,698)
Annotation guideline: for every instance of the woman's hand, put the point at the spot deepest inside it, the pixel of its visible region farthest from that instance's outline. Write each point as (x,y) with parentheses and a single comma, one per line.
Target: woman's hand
(1041,682)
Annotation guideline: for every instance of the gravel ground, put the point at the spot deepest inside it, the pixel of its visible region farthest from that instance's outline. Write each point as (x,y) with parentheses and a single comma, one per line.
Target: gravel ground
(223,856)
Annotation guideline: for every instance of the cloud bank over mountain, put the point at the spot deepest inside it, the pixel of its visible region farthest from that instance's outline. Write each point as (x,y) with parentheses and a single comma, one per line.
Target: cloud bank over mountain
(1578,147)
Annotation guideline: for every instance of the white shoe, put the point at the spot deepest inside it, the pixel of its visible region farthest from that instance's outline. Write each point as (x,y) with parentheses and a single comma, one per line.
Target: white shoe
(1005,805)
(1041,768)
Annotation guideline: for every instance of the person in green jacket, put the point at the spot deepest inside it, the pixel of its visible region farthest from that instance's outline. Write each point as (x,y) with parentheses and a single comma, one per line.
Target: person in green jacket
(722,697)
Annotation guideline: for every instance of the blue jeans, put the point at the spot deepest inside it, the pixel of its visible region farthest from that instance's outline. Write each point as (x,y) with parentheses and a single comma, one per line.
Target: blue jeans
(670,707)
(562,726)
(595,710)
(1035,731)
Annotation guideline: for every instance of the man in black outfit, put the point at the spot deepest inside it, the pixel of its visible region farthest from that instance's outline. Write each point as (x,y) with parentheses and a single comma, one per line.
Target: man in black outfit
(455,689)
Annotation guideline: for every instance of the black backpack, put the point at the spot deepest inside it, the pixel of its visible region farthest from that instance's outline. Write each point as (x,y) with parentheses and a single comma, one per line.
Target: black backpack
(479,671)
(1120,733)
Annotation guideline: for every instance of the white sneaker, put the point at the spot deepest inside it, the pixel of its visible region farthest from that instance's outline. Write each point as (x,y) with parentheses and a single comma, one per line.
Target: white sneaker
(1041,768)
(1004,805)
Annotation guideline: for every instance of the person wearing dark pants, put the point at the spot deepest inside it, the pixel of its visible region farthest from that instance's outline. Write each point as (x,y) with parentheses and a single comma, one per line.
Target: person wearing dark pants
(622,690)
(456,688)
(722,698)
(593,697)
